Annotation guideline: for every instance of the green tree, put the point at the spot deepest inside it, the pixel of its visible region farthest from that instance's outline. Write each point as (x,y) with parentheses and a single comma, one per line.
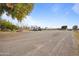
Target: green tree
(16,10)
(7,25)
(75,27)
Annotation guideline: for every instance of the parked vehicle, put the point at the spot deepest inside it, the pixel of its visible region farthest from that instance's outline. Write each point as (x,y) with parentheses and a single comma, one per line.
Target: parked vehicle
(36,29)
(39,29)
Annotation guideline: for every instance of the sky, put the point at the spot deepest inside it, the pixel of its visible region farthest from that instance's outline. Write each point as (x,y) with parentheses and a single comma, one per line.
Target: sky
(52,15)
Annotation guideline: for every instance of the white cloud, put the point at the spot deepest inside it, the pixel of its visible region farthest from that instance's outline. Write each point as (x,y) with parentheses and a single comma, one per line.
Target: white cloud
(31,21)
(27,21)
(75,8)
(24,22)
(8,18)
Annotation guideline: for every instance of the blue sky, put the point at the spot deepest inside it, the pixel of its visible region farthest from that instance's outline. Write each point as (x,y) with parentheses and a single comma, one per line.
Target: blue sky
(51,15)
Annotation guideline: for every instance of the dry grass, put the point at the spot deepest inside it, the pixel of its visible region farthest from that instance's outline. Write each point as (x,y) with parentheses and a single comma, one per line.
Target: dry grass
(76,34)
(7,34)
(4,35)
(26,30)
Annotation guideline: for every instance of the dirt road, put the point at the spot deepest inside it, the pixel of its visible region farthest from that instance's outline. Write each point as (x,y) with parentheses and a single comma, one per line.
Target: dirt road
(39,43)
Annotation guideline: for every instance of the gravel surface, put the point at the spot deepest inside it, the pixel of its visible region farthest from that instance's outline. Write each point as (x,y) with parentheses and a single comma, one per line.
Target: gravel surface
(38,43)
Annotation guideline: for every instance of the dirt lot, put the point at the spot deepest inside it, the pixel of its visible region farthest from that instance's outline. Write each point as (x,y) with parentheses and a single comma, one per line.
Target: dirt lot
(38,43)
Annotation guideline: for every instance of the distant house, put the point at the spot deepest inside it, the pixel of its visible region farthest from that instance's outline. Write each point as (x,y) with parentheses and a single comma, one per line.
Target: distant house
(75,27)
(64,27)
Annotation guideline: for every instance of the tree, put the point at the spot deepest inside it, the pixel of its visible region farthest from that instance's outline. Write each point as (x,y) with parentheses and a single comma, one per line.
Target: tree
(7,25)
(75,27)
(16,10)
(64,27)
